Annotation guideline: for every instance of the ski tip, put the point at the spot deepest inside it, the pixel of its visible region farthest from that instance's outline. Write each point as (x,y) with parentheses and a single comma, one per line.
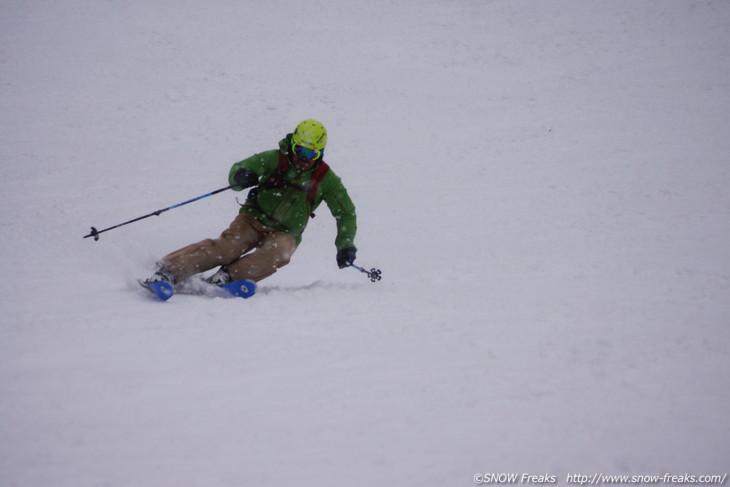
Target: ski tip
(242,289)
(161,289)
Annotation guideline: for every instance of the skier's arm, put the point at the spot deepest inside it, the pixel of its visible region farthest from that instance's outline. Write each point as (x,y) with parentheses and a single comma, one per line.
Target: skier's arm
(248,172)
(342,208)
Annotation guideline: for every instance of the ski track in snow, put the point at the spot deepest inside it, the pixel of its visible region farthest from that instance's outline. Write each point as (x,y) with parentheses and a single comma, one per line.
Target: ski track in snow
(543,184)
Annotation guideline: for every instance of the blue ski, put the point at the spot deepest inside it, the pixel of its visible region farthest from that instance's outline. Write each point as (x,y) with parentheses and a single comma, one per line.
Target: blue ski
(161,289)
(165,290)
(242,288)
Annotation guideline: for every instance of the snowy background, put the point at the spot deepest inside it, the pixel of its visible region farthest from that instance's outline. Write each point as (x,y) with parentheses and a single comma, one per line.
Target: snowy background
(545,185)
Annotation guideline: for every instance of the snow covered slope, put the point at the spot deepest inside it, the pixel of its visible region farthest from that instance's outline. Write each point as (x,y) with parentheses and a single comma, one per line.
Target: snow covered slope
(543,184)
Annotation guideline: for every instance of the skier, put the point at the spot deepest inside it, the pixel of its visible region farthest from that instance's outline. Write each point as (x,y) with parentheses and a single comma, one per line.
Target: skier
(288,185)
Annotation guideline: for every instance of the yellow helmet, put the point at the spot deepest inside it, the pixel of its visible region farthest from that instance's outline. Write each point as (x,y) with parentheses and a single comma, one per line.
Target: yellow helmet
(310,134)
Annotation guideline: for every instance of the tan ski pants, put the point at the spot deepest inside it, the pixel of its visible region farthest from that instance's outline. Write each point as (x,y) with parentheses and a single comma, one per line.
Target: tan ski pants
(273,249)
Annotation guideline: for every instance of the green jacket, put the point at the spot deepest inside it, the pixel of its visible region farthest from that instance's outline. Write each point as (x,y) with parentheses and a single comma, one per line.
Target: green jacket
(288,208)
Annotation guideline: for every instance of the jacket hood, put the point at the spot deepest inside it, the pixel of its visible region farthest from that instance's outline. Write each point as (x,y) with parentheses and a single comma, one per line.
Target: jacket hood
(285,146)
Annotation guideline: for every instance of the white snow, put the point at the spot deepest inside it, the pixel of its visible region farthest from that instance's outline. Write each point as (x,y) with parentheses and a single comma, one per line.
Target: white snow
(545,186)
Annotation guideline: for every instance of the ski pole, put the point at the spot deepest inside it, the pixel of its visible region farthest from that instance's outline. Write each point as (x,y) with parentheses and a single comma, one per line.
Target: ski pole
(95,233)
(373,274)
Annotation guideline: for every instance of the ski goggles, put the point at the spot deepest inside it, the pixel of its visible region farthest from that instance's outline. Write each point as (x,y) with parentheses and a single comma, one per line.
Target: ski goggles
(306,152)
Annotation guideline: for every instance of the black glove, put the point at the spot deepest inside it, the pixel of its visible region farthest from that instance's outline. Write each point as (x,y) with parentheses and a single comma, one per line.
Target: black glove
(346,257)
(245,178)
